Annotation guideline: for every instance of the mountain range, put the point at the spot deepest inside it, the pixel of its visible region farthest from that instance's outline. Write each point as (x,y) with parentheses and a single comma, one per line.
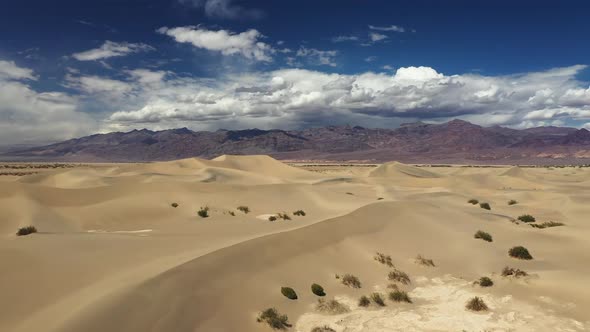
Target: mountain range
(456,141)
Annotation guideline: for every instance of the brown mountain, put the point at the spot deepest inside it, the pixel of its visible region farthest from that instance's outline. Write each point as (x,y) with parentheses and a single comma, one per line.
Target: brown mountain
(456,141)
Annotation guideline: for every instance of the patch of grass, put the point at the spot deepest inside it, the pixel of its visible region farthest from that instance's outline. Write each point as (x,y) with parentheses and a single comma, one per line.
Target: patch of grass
(424,261)
(174,205)
(351,281)
(272,218)
(203,212)
(473,201)
(364,301)
(526,218)
(399,276)
(299,213)
(399,296)
(289,293)
(383,259)
(318,290)
(274,319)
(283,216)
(512,272)
(244,209)
(332,307)
(476,304)
(26,230)
(485,282)
(547,224)
(485,206)
(512,202)
(378,299)
(324,328)
(520,252)
(483,235)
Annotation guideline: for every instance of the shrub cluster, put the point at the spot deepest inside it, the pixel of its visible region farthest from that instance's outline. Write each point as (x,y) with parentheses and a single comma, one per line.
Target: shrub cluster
(26,230)
(509,271)
(399,296)
(485,282)
(332,307)
(520,252)
(483,235)
(378,299)
(318,290)
(289,293)
(283,216)
(364,301)
(526,218)
(399,276)
(299,213)
(476,304)
(383,259)
(351,281)
(244,209)
(274,319)
(485,206)
(424,261)
(203,212)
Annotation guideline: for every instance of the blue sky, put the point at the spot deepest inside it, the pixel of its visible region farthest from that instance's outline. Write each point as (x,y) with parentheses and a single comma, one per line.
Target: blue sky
(71,68)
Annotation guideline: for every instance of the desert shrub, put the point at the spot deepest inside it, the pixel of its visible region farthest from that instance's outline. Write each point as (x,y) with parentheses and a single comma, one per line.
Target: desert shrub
(424,261)
(476,304)
(299,213)
(526,218)
(364,301)
(512,202)
(324,328)
(520,252)
(547,224)
(289,293)
(383,259)
(283,216)
(378,299)
(380,198)
(349,193)
(393,286)
(26,230)
(244,209)
(485,206)
(274,319)
(512,272)
(483,235)
(399,296)
(473,201)
(318,290)
(272,218)
(332,307)
(399,276)
(174,205)
(203,212)
(485,282)
(351,281)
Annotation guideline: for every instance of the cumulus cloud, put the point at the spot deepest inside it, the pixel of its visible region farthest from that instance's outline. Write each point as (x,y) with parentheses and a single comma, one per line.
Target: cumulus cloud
(111,49)
(10,71)
(224,9)
(391,28)
(226,42)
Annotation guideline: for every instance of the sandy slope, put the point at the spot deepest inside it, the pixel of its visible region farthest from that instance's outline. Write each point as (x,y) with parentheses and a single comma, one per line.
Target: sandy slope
(113,255)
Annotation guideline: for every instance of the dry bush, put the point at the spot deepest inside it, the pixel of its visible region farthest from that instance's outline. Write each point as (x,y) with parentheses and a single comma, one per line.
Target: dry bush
(512,202)
(272,218)
(283,216)
(244,209)
(174,205)
(547,224)
(274,319)
(384,259)
(378,299)
(512,272)
(485,282)
(364,301)
(485,206)
(483,235)
(324,328)
(424,261)
(399,276)
(520,252)
(289,293)
(203,212)
(393,286)
(299,213)
(399,296)
(351,281)
(26,230)
(318,290)
(473,201)
(476,304)
(332,307)
(526,218)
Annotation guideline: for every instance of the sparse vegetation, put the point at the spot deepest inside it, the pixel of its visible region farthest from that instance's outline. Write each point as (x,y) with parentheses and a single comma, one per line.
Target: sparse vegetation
(244,209)
(318,290)
(399,276)
(364,301)
(324,328)
(473,201)
(299,213)
(512,202)
(174,205)
(26,230)
(380,198)
(424,261)
(283,216)
(512,272)
(399,296)
(349,193)
(485,206)
(476,304)
(203,212)
(383,259)
(289,293)
(272,218)
(351,281)
(483,235)
(485,282)
(232,213)
(547,224)
(274,319)
(393,286)
(332,307)
(520,252)
(526,218)
(378,299)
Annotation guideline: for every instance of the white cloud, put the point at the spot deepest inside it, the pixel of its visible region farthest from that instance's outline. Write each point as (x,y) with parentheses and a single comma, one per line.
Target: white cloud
(246,44)
(340,39)
(370,58)
(10,71)
(318,57)
(223,9)
(375,37)
(111,49)
(394,28)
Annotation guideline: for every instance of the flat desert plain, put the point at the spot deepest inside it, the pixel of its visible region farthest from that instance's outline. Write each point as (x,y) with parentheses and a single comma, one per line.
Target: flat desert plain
(112,253)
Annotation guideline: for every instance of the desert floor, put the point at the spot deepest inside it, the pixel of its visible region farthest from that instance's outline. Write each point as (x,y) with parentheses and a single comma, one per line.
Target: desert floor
(112,254)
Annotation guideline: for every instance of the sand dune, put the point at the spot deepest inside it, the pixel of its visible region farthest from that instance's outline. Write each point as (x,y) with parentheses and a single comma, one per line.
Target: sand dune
(112,254)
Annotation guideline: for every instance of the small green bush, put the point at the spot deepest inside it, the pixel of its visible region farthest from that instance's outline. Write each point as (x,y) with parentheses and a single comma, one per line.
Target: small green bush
(526,218)
(272,218)
(383,259)
(324,328)
(424,261)
(512,272)
(364,301)
(274,319)
(299,213)
(473,201)
(476,304)
(289,293)
(399,296)
(485,206)
(512,202)
(351,281)
(520,252)
(485,282)
(174,205)
(399,276)
(26,230)
(547,224)
(378,299)
(483,235)
(244,209)
(203,212)
(318,290)
(332,307)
